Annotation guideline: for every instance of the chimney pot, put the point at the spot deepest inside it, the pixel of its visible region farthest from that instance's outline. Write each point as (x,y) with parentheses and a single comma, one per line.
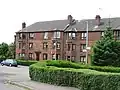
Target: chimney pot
(23,25)
(98,18)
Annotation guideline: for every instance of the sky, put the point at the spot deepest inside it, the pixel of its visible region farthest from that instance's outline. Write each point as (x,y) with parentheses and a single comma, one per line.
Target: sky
(14,12)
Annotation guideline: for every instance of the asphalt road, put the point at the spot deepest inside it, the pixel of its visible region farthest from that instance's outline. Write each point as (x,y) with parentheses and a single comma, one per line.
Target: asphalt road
(5,74)
(12,78)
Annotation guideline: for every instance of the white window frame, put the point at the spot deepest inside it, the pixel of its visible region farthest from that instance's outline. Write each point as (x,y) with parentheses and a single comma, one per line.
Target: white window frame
(83,36)
(46,35)
(31,35)
(57,34)
(82,58)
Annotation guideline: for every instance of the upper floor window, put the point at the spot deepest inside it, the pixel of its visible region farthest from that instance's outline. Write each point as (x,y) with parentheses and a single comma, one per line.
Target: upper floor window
(30,45)
(71,35)
(20,35)
(56,34)
(46,35)
(83,36)
(23,45)
(20,45)
(102,34)
(45,45)
(57,45)
(117,35)
(83,47)
(73,47)
(69,47)
(31,35)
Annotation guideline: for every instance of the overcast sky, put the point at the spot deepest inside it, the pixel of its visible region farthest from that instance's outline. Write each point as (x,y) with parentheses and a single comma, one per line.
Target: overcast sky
(14,12)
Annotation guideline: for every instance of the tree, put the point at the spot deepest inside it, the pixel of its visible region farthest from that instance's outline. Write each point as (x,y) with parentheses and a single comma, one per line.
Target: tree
(106,51)
(11,51)
(3,50)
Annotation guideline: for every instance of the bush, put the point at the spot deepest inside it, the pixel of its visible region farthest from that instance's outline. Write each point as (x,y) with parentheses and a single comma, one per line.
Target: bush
(84,79)
(26,62)
(63,64)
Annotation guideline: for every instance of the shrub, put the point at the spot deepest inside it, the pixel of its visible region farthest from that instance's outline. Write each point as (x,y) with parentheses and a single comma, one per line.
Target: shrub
(84,79)
(26,62)
(63,64)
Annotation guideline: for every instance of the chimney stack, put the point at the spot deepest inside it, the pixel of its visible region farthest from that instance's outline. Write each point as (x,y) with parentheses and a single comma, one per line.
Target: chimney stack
(70,18)
(23,25)
(98,18)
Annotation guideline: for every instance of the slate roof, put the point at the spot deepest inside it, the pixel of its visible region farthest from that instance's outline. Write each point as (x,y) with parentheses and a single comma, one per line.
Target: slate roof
(80,25)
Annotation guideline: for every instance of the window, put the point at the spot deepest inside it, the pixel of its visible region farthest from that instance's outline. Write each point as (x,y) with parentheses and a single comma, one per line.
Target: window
(31,35)
(20,35)
(58,45)
(83,36)
(53,56)
(58,56)
(73,47)
(19,45)
(102,34)
(117,35)
(23,45)
(30,56)
(83,47)
(23,36)
(56,34)
(30,45)
(45,45)
(46,35)
(71,35)
(69,47)
(45,56)
(68,58)
(82,58)
(73,58)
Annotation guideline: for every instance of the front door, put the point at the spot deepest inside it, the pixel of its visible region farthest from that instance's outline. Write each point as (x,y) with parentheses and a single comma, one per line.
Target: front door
(37,56)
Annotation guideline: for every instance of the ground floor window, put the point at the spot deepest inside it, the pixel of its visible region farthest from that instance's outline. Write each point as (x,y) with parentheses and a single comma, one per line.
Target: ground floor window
(45,56)
(82,58)
(30,56)
(68,58)
(55,56)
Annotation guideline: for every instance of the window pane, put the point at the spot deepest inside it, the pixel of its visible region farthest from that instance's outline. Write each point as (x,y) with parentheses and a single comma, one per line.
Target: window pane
(46,35)
(83,36)
(57,34)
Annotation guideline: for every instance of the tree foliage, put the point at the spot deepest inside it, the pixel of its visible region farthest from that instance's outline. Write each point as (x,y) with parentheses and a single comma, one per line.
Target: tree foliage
(106,51)
(7,51)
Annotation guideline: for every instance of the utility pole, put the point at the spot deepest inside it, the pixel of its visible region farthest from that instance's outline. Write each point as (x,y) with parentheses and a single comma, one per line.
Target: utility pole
(86,42)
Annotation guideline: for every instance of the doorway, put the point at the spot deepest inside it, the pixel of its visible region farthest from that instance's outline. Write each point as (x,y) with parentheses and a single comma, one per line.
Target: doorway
(37,56)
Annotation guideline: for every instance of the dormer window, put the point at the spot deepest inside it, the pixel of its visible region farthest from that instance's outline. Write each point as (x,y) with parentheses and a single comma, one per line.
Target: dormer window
(46,35)
(56,34)
(31,35)
(83,36)
(71,35)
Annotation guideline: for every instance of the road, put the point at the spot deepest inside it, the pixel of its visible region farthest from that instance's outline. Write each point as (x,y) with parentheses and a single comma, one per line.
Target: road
(17,78)
(4,73)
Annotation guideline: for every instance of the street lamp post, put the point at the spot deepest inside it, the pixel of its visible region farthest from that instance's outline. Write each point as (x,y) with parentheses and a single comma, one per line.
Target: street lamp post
(87,42)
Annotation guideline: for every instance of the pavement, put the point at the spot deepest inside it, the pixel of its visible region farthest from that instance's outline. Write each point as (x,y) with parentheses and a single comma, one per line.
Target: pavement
(19,76)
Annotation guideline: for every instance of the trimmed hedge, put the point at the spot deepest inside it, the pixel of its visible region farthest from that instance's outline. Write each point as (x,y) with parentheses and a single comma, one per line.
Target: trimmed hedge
(68,64)
(63,64)
(26,62)
(84,79)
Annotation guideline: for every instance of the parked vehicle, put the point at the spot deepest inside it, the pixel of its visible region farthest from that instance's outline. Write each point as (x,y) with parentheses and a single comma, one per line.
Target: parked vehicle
(9,62)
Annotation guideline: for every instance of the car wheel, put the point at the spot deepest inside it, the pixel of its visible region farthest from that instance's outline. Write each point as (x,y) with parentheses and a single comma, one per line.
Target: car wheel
(2,64)
(10,64)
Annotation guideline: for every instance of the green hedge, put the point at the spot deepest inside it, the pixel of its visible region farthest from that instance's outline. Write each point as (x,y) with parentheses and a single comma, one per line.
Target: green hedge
(63,64)
(26,62)
(84,79)
(68,64)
